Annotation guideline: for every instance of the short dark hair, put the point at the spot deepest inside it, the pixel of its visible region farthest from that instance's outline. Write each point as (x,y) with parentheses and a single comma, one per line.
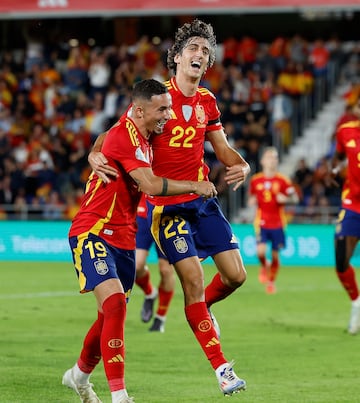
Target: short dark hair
(187,31)
(146,89)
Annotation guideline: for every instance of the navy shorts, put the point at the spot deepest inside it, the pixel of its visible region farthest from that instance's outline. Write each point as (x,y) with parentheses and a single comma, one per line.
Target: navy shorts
(347,224)
(195,228)
(276,237)
(144,239)
(96,261)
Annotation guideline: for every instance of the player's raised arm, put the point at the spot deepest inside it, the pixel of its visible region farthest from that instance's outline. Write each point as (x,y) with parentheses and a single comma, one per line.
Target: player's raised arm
(237,169)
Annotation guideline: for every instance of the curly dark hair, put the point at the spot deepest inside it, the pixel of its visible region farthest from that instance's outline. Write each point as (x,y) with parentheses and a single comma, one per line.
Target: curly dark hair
(187,31)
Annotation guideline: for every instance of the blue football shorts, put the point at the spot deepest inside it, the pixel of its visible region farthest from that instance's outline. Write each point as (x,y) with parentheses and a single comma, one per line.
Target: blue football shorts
(276,237)
(347,224)
(144,239)
(96,261)
(195,228)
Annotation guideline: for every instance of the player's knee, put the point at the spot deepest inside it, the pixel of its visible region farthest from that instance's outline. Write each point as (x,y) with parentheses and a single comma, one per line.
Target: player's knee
(236,280)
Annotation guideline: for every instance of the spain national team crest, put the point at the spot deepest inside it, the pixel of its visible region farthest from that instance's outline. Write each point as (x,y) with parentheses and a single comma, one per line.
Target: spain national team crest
(200,113)
(181,245)
(101,267)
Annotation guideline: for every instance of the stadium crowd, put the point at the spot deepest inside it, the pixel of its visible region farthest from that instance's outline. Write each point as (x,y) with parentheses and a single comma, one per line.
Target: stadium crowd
(55,102)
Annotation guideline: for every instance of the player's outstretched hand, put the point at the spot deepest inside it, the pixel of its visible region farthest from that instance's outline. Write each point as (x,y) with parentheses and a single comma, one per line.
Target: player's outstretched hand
(237,174)
(332,177)
(205,189)
(281,198)
(100,166)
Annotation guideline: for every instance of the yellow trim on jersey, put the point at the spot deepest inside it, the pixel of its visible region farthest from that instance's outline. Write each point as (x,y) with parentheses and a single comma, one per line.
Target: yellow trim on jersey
(350,125)
(201,175)
(258,175)
(204,91)
(155,224)
(99,225)
(168,84)
(282,176)
(77,259)
(96,187)
(132,131)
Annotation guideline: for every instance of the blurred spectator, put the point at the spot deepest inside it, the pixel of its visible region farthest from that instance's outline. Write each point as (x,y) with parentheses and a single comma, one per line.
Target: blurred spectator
(303,179)
(240,85)
(277,51)
(95,117)
(34,35)
(6,97)
(247,50)
(297,50)
(258,119)
(230,52)
(53,207)
(6,193)
(280,109)
(76,75)
(99,73)
(319,58)
(5,147)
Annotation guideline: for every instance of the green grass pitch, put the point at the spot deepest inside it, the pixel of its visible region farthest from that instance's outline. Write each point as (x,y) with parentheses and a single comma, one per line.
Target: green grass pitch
(289,347)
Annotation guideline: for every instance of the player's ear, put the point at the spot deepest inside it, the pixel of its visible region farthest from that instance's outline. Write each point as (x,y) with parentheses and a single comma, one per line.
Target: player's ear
(138,111)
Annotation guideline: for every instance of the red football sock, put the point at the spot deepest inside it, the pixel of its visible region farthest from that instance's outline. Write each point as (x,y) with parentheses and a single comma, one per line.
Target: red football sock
(348,281)
(112,340)
(274,268)
(216,290)
(203,329)
(144,283)
(91,354)
(165,298)
(262,260)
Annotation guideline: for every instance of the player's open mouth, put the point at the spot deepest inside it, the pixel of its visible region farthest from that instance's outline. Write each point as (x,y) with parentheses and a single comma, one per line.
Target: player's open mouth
(160,126)
(196,65)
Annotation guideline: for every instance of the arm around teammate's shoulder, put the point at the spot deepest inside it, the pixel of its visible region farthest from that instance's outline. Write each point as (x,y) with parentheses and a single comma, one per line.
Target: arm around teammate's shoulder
(158,186)
(99,162)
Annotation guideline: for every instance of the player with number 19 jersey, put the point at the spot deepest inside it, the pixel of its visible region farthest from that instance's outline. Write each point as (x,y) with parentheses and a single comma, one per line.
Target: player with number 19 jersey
(125,150)
(178,153)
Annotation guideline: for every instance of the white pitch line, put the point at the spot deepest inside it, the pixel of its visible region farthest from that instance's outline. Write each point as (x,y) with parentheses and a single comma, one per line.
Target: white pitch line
(49,294)
(39,295)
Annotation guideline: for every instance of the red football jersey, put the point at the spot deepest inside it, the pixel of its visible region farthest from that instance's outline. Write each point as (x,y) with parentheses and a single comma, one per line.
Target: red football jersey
(142,208)
(348,143)
(270,214)
(178,152)
(109,210)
